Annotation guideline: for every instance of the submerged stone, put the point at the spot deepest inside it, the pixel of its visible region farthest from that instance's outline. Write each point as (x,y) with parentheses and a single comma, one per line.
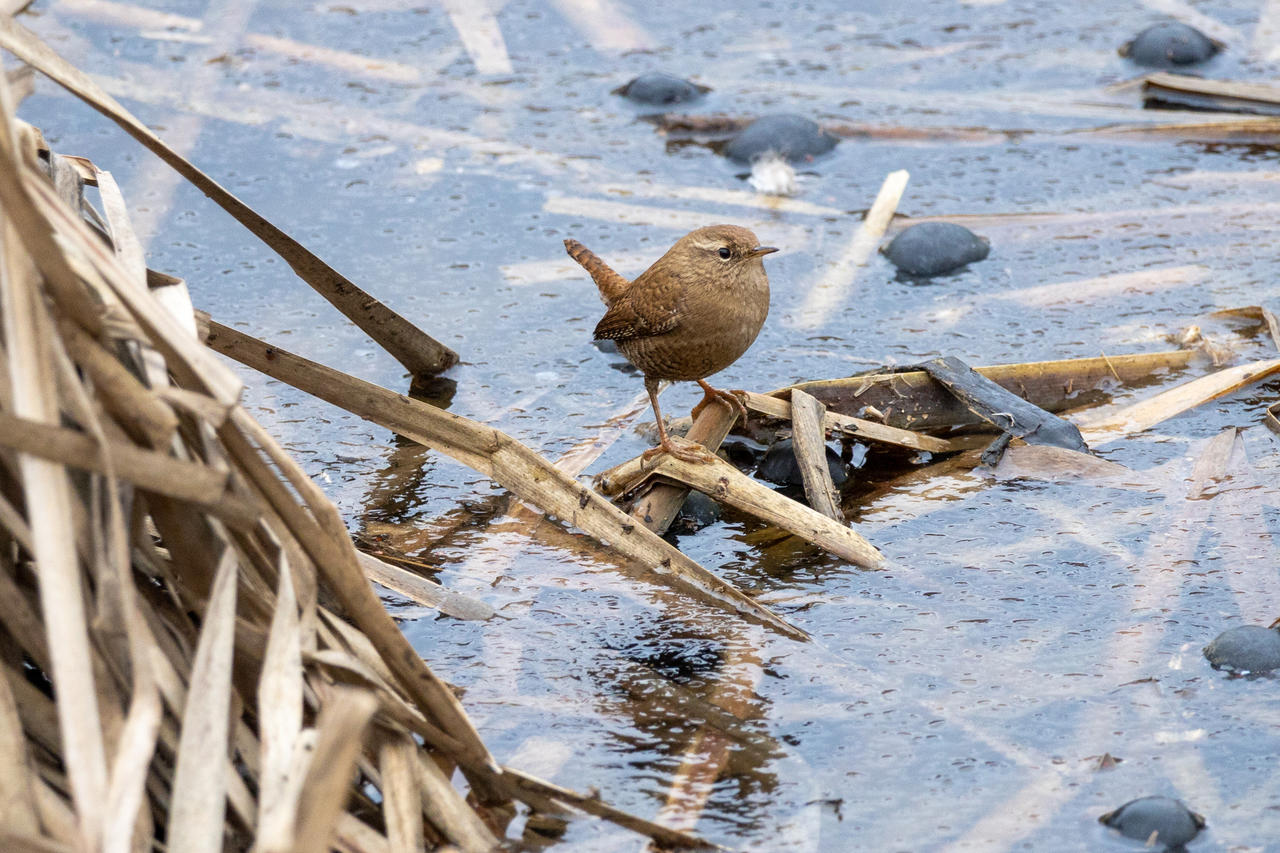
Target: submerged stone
(792,137)
(779,466)
(1160,820)
(661,89)
(742,453)
(934,248)
(697,512)
(1245,649)
(1169,45)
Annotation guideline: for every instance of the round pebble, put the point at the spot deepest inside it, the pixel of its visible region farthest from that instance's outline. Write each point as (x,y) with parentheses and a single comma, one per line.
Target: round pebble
(1160,819)
(779,466)
(1169,45)
(661,89)
(697,512)
(793,137)
(1245,649)
(934,248)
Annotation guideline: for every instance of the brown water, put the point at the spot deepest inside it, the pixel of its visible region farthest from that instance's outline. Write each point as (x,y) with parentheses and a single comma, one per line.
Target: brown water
(958,700)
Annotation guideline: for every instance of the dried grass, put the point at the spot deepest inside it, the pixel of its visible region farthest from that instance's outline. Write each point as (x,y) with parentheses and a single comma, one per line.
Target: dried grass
(192,656)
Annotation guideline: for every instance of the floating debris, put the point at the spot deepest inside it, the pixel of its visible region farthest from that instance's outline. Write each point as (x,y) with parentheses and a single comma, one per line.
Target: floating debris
(658,88)
(1155,820)
(1165,90)
(935,248)
(1001,407)
(1245,650)
(1169,45)
(792,137)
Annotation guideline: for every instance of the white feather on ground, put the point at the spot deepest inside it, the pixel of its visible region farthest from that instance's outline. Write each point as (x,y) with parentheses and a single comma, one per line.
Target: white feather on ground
(772,175)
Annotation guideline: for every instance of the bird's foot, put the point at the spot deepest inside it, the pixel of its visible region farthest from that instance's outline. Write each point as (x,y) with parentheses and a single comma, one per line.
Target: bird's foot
(737,399)
(680,448)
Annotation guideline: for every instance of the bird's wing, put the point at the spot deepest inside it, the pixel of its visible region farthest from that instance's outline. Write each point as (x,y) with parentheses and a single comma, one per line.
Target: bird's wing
(649,307)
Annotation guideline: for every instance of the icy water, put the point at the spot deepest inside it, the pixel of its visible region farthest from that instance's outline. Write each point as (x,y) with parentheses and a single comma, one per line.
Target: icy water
(961,699)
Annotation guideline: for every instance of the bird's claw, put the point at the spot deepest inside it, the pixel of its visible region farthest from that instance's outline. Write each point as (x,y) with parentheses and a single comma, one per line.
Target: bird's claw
(737,399)
(686,451)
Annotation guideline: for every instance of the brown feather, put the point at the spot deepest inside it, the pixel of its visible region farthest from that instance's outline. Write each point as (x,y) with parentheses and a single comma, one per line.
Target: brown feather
(694,311)
(610,284)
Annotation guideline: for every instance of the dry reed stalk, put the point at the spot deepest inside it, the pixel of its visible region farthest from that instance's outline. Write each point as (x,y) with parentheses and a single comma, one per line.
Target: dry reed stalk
(478,28)
(657,507)
(497,455)
(421,354)
(1108,426)
(810,442)
(213,668)
(722,482)
(858,428)
(830,292)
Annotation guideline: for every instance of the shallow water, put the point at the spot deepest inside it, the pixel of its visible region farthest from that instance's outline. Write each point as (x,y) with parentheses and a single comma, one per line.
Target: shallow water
(958,700)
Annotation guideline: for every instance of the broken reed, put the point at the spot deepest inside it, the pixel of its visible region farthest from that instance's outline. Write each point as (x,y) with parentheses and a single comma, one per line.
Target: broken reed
(191,656)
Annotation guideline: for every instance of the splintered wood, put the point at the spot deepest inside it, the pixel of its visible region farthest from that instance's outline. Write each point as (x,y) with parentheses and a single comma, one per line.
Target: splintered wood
(498,455)
(809,439)
(190,654)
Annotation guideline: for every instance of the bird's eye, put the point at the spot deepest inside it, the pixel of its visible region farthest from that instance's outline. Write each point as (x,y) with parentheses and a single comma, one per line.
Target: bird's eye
(724,252)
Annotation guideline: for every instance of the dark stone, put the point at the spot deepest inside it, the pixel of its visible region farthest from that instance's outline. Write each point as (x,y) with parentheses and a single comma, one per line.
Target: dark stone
(698,511)
(1170,45)
(742,453)
(606,346)
(794,137)
(1172,823)
(934,248)
(779,466)
(661,89)
(1245,649)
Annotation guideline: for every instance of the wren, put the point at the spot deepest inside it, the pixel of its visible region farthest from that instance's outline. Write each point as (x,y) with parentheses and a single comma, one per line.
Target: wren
(691,314)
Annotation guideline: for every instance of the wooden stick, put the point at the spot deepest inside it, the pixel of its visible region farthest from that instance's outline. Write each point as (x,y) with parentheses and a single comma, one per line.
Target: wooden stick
(808,438)
(722,481)
(135,407)
(152,471)
(525,783)
(606,24)
(477,27)
(865,430)
(47,490)
(911,399)
(339,734)
(657,508)
(829,292)
(423,591)
(1151,411)
(497,455)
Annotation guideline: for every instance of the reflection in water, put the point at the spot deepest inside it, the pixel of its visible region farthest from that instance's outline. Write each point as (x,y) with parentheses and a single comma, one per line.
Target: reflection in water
(1022,626)
(436,390)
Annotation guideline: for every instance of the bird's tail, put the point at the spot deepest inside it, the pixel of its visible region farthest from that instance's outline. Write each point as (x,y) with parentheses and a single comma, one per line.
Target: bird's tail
(610,284)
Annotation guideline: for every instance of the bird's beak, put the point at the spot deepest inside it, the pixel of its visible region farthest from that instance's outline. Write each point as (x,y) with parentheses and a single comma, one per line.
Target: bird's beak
(762,250)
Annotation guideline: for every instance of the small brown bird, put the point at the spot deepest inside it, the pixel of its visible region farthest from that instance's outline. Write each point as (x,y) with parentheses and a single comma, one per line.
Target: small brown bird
(691,314)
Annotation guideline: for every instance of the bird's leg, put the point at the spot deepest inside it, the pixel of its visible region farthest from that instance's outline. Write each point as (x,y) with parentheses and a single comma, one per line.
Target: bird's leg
(737,399)
(690,452)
